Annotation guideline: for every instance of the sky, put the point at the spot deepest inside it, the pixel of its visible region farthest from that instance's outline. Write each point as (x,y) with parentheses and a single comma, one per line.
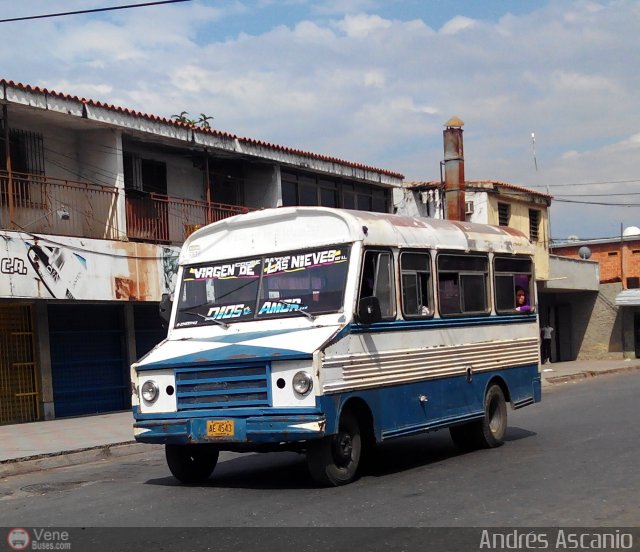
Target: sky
(374,81)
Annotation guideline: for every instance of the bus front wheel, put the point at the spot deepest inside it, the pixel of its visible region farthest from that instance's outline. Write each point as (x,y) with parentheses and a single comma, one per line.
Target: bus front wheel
(334,460)
(191,463)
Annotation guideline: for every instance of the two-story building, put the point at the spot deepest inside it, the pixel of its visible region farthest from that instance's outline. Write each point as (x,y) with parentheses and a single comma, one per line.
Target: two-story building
(95,201)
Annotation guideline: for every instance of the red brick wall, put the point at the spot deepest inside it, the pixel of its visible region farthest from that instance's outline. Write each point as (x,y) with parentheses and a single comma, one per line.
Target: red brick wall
(617,261)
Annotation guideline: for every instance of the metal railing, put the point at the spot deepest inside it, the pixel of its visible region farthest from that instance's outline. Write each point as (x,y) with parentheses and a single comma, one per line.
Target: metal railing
(165,219)
(46,205)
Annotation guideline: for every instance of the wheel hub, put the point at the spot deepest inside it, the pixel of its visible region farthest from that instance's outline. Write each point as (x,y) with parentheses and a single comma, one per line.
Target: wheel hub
(342,449)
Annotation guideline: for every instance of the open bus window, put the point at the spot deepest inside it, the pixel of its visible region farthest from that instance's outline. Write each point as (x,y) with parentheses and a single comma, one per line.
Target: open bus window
(513,285)
(462,284)
(416,285)
(377,281)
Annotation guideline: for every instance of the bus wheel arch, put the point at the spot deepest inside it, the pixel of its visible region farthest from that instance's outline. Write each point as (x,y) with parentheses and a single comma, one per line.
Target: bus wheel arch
(488,431)
(336,459)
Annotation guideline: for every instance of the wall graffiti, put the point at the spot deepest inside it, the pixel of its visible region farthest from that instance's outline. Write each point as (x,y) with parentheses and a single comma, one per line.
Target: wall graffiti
(77,268)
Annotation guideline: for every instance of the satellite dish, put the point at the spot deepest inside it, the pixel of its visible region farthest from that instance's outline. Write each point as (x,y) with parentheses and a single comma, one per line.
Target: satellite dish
(584,252)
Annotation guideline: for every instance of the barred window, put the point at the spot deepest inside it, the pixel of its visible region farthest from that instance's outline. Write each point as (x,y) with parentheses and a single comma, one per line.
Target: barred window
(534,225)
(504,213)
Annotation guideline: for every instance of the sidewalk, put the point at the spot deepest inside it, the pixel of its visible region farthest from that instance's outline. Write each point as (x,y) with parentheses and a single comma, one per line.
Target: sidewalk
(40,445)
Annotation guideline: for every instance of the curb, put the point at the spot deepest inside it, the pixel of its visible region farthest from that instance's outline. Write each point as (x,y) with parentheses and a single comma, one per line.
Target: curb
(553,380)
(28,464)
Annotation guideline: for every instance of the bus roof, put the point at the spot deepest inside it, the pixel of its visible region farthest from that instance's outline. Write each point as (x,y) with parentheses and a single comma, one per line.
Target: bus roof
(290,228)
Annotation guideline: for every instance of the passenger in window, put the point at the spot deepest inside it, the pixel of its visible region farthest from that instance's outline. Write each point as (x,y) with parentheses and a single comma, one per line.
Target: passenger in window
(522,302)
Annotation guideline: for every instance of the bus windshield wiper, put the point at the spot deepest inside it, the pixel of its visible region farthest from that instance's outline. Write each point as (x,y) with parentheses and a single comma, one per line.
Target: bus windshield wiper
(304,313)
(207,318)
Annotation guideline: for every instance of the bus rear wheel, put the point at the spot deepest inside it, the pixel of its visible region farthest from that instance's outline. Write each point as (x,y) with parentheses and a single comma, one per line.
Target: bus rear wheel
(191,463)
(487,432)
(334,460)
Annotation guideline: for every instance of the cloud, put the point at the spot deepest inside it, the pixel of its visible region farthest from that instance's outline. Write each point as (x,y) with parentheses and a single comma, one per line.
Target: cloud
(456,25)
(370,81)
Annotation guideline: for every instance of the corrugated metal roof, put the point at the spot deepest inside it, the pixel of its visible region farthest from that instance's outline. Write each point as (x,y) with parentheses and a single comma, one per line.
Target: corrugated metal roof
(211,131)
(481,184)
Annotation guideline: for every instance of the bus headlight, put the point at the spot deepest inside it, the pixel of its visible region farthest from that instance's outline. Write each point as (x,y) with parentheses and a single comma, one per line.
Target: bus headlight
(302,383)
(149,391)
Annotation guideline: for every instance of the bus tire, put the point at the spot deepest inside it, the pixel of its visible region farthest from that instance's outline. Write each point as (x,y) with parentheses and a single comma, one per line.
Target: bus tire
(334,460)
(489,432)
(191,463)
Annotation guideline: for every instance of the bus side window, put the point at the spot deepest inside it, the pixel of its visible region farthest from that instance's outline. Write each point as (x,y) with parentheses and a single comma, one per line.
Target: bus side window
(377,280)
(416,285)
(462,284)
(513,278)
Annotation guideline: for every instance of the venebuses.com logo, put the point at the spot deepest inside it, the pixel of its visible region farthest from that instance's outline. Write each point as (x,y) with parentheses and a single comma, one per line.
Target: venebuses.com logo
(38,539)
(18,539)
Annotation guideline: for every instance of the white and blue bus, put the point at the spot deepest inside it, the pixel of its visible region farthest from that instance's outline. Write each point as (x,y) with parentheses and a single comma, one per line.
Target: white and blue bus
(326,331)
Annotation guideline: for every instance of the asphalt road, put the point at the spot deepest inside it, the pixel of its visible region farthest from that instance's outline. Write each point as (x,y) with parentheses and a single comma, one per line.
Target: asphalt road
(571,460)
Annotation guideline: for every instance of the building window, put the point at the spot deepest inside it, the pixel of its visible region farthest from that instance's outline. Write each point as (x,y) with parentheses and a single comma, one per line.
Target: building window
(144,175)
(633,282)
(27,159)
(504,213)
(27,152)
(612,254)
(302,189)
(534,225)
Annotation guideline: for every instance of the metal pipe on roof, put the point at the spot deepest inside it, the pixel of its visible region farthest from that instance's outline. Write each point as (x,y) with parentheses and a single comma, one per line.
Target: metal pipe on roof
(454,169)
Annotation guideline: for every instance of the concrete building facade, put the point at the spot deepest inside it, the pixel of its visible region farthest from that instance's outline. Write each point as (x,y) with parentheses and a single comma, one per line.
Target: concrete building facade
(95,201)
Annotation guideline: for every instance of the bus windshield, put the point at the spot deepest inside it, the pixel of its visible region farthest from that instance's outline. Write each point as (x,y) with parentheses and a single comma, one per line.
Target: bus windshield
(270,286)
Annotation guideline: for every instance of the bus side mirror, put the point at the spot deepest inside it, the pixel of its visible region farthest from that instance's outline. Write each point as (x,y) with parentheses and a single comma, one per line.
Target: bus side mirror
(369,310)
(165,308)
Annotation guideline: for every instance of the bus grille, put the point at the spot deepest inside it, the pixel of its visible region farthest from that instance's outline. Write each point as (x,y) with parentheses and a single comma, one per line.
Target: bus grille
(220,387)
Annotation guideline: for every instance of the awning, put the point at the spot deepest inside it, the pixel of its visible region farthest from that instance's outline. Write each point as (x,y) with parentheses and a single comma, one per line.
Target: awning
(628,298)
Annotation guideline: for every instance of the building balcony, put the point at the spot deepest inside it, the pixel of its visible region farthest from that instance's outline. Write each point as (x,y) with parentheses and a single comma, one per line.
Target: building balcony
(164,219)
(43,205)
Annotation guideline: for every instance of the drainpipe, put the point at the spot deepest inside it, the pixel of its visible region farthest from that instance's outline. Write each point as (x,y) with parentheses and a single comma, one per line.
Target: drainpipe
(454,169)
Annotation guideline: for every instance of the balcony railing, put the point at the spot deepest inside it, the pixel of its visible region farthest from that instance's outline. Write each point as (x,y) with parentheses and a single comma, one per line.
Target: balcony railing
(45,205)
(165,219)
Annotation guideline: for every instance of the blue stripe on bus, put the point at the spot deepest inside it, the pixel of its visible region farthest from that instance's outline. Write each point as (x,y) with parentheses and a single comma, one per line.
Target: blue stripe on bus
(409,325)
(229,353)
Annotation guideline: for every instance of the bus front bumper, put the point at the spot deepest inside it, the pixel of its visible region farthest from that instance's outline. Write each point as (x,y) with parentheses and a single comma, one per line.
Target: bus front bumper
(259,430)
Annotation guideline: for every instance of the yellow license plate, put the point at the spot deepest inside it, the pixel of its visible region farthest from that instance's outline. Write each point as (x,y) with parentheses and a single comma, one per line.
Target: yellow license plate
(220,428)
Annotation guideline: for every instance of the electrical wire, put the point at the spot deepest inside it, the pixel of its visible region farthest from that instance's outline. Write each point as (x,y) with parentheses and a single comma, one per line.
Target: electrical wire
(94,10)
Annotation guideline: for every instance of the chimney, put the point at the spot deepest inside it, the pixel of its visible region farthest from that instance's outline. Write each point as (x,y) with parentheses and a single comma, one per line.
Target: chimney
(454,169)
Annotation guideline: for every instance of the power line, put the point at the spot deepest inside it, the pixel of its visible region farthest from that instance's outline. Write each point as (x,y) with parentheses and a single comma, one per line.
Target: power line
(94,10)
(587,183)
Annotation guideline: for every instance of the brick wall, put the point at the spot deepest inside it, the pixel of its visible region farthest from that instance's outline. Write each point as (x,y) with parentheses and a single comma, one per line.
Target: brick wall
(617,261)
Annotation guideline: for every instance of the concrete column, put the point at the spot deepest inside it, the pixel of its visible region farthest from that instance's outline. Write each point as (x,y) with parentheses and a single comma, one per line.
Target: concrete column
(121,208)
(130,335)
(43,358)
